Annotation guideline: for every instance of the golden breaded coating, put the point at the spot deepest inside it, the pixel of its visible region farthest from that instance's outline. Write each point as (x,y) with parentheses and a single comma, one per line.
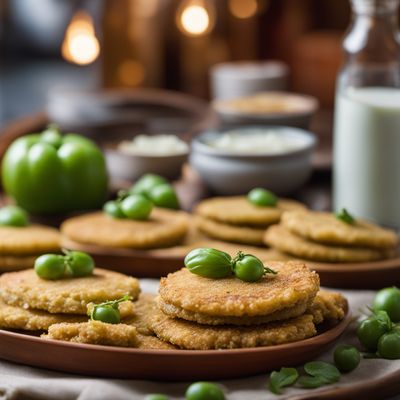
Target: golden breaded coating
(94,332)
(230,233)
(326,228)
(282,239)
(290,312)
(163,228)
(28,240)
(145,307)
(328,306)
(237,210)
(12,317)
(153,343)
(189,335)
(70,296)
(16,263)
(294,284)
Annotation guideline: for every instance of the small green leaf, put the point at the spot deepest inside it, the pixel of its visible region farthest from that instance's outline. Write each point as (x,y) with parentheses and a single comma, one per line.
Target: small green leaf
(285,377)
(344,216)
(312,382)
(320,369)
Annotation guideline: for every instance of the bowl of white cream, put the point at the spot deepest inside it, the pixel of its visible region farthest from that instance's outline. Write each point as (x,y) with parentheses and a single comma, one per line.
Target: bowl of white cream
(234,161)
(158,154)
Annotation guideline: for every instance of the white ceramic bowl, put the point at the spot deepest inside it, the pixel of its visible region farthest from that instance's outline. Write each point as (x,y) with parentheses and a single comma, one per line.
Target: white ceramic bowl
(227,173)
(267,108)
(130,167)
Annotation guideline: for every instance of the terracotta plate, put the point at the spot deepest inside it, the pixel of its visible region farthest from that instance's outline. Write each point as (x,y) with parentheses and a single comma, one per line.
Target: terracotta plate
(366,275)
(115,362)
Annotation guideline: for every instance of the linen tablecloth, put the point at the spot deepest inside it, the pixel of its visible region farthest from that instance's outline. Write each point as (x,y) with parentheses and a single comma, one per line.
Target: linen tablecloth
(18,382)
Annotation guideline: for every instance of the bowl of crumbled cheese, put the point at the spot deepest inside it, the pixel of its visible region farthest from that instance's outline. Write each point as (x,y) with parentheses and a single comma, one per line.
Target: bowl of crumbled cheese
(234,161)
(158,154)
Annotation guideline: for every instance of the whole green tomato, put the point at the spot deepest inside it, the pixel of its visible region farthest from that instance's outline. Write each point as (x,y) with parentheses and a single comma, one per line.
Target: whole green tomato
(146,183)
(164,196)
(107,314)
(136,206)
(371,329)
(262,197)
(49,173)
(204,391)
(388,300)
(346,358)
(389,346)
(210,263)
(249,268)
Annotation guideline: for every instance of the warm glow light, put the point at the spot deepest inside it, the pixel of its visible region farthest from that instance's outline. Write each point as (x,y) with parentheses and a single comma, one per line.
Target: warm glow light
(131,73)
(243,8)
(194,18)
(80,45)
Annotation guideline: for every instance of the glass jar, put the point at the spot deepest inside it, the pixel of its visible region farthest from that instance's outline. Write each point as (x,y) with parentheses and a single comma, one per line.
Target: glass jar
(366,176)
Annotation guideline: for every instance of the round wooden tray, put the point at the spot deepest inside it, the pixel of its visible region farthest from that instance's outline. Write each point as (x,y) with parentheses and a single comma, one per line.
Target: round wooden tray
(168,365)
(366,275)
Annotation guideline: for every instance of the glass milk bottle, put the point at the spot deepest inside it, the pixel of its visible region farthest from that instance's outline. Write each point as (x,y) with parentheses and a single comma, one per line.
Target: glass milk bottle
(367,115)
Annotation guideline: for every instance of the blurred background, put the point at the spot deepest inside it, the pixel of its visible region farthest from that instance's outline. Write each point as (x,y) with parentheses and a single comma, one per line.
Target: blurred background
(51,44)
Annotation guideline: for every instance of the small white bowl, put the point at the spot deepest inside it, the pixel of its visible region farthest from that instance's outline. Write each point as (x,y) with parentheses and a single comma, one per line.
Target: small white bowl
(227,173)
(267,108)
(130,167)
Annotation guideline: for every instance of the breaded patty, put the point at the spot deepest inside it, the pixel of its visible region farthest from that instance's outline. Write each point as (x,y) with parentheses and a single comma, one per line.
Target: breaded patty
(71,296)
(230,233)
(94,332)
(326,228)
(237,210)
(328,306)
(16,263)
(153,343)
(28,240)
(163,228)
(12,317)
(293,286)
(145,307)
(205,319)
(190,335)
(284,240)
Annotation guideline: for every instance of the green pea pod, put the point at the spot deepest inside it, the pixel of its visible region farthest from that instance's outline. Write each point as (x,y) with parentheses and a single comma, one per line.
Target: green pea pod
(210,263)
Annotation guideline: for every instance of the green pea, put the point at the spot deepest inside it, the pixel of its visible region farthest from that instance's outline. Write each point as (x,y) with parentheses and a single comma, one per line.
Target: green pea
(249,268)
(107,314)
(136,206)
(13,216)
(146,183)
(262,197)
(210,263)
(50,266)
(346,358)
(164,196)
(370,331)
(80,263)
(113,209)
(204,391)
(388,299)
(389,346)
